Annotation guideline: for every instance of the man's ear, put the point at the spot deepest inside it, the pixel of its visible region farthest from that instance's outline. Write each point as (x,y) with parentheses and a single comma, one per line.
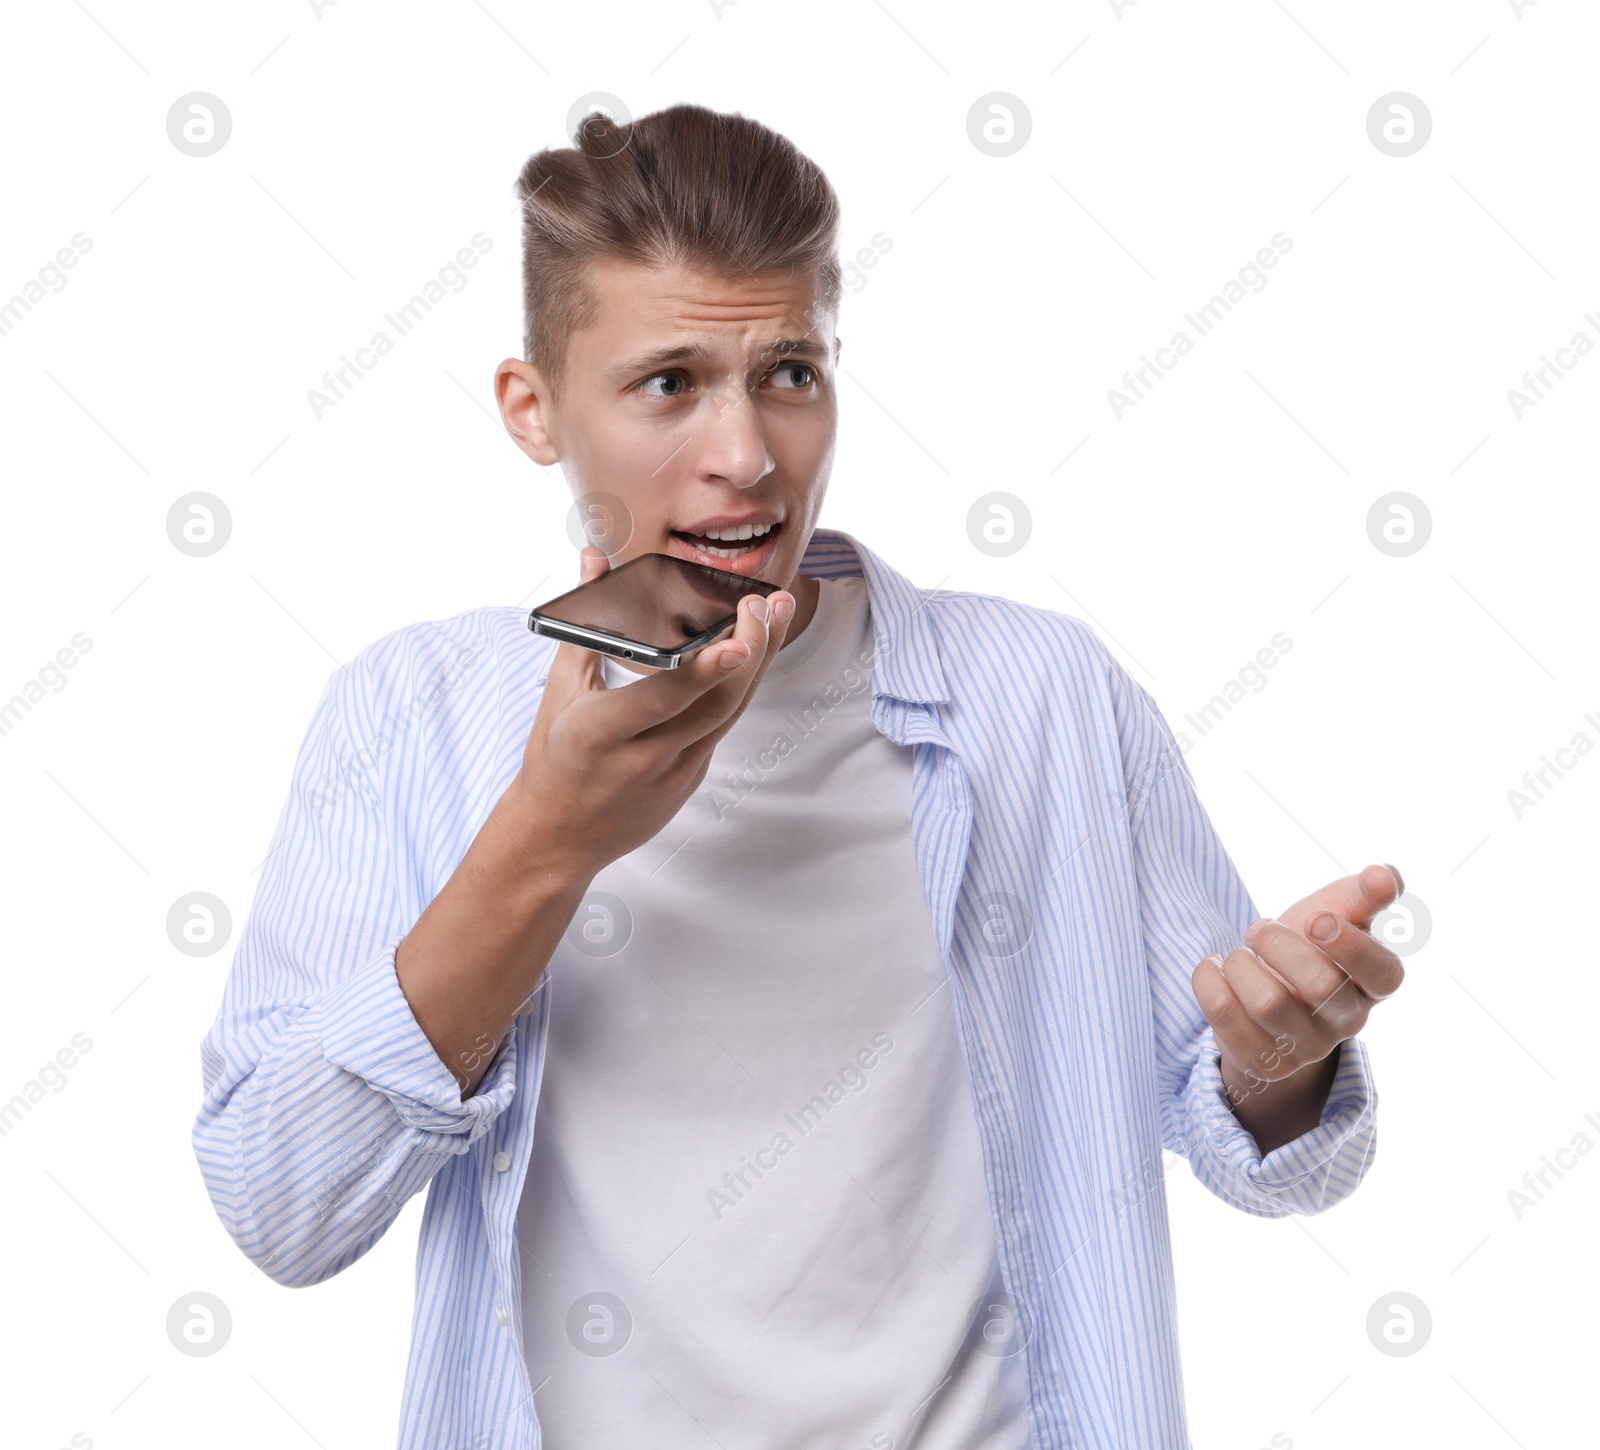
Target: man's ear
(523,393)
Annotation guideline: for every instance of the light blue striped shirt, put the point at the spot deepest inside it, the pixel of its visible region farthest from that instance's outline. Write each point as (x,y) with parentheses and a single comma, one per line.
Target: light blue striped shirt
(1075,882)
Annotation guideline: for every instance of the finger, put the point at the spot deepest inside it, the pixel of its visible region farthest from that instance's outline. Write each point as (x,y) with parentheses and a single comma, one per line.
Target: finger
(1315,977)
(777,633)
(665,699)
(1241,1039)
(576,668)
(1356,898)
(1278,1009)
(1372,966)
(710,717)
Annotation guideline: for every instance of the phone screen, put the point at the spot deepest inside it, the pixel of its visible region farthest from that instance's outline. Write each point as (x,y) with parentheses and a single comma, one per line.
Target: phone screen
(656,599)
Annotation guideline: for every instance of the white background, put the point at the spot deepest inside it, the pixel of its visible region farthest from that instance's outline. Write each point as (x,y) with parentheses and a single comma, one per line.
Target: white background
(1168,144)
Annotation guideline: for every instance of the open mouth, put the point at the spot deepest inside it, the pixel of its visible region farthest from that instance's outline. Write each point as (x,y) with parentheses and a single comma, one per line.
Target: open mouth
(728,548)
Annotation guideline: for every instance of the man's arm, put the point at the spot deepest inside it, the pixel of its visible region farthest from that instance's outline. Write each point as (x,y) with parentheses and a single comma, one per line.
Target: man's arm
(1319,1136)
(481,947)
(363,1036)
(326,1106)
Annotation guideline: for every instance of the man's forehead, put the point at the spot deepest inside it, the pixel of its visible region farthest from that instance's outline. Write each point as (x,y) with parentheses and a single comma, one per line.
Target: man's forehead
(640,299)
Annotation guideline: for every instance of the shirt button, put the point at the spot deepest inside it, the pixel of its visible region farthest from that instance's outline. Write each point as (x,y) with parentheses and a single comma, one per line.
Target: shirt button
(500,1314)
(502,1161)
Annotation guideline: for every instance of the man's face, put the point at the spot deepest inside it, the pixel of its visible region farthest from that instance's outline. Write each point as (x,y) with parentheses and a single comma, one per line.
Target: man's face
(697,400)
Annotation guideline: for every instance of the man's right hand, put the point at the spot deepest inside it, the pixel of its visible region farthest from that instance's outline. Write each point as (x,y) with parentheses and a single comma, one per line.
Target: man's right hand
(605,769)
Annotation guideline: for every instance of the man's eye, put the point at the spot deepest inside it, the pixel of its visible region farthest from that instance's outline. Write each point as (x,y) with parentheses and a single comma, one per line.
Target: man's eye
(795,367)
(674,392)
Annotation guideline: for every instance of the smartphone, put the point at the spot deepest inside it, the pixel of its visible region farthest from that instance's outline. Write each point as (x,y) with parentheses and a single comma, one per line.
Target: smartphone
(655,609)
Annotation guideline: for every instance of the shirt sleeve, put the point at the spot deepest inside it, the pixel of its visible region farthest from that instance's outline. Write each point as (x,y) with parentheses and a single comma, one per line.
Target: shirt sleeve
(1192,903)
(325,1106)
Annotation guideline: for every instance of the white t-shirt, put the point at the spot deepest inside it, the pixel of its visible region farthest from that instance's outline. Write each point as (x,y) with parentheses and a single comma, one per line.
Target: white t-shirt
(755,1197)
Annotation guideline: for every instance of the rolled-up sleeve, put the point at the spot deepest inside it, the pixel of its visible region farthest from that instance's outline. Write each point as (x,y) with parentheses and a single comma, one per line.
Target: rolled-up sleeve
(1305,1175)
(325,1106)
(1192,903)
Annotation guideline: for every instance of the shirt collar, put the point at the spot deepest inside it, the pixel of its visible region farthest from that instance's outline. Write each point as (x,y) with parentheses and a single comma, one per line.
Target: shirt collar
(906,665)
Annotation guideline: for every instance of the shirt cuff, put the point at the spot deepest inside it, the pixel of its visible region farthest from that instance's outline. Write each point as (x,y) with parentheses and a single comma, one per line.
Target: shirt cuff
(1309,1173)
(368,1029)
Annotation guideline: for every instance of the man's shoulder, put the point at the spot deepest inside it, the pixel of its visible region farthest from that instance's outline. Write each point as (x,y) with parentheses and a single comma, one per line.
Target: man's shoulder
(1025,674)
(471,649)
(1003,638)
(835,552)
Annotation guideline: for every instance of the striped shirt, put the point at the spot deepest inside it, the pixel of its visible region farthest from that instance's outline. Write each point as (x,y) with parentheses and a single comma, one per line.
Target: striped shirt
(1073,879)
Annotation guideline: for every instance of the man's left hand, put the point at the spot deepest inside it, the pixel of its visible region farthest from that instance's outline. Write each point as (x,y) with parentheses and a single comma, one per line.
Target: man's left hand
(1301,985)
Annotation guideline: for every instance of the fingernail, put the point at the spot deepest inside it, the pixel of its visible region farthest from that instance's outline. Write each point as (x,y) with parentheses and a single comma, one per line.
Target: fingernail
(784,610)
(758,606)
(1325,926)
(731,659)
(1399,880)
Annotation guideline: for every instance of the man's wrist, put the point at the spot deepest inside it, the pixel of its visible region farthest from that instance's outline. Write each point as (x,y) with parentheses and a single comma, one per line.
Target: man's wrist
(1278,1112)
(520,849)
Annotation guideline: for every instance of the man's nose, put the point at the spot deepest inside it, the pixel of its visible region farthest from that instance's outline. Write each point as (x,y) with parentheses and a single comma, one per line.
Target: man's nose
(732,441)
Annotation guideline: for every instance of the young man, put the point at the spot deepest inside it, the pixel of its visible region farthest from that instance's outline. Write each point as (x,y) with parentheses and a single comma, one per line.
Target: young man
(787,1042)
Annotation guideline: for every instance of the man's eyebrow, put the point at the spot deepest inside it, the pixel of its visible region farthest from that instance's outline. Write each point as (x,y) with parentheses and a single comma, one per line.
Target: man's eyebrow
(660,358)
(796,347)
(804,347)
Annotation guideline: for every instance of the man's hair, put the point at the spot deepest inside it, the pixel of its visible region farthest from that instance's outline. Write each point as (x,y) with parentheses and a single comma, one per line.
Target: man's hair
(682,186)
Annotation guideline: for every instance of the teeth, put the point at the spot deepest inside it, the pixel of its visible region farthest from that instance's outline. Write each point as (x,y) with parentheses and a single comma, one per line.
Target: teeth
(742,531)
